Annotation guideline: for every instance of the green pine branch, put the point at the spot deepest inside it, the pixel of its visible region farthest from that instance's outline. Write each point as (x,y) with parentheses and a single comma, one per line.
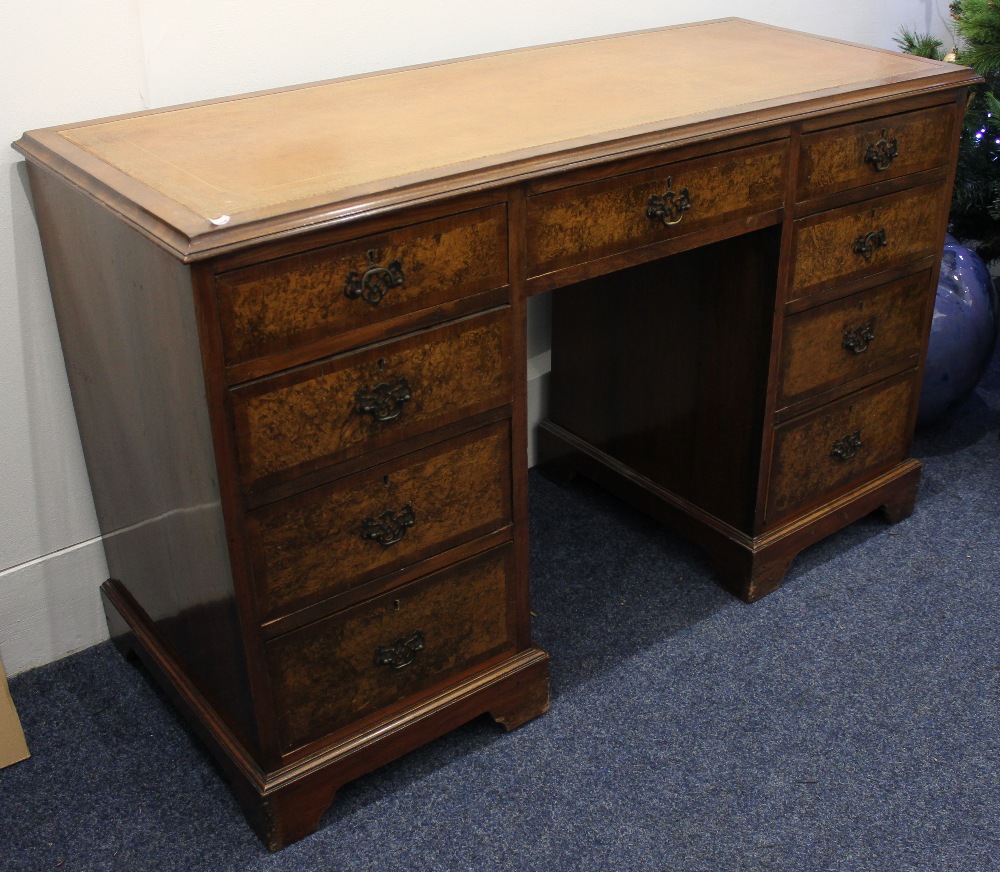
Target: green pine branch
(975,206)
(920,44)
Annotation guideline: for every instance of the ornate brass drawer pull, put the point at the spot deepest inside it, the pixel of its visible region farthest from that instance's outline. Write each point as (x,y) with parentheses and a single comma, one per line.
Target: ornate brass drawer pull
(847,446)
(856,339)
(670,206)
(375,282)
(384,402)
(882,153)
(401,652)
(389,527)
(867,244)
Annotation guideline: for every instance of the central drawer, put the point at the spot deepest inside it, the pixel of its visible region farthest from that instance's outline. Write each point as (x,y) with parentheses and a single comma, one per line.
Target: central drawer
(339,536)
(336,672)
(342,407)
(585,222)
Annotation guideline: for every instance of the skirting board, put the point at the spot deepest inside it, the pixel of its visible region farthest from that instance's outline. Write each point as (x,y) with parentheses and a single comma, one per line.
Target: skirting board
(51,607)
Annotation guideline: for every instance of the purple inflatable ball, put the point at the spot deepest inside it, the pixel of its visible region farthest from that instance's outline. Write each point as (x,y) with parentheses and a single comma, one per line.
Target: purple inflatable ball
(963,331)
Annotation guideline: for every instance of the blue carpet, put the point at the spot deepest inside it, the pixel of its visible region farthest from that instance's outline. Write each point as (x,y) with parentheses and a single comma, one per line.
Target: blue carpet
(849,721)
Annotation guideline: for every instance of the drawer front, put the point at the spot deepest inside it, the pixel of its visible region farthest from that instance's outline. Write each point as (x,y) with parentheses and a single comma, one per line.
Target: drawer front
(344,406)
(387,650)
(281,304)
(848,338)
(579,224)
(336,537)
(842,443)
(866,238)
(873,151)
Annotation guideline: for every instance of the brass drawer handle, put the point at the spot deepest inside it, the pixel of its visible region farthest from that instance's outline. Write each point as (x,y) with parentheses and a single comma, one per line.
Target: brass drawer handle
(375,282)
(669,207)
(388,528)
(847,446)
(882,153)
(385,401)
(857,339)
(401,652)
(867,244)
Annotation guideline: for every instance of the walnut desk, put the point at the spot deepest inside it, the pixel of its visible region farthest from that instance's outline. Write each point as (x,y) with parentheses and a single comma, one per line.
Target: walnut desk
(294,327)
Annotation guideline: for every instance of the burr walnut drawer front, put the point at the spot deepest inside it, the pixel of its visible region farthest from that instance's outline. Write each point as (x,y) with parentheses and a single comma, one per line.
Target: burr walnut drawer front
(831,344)
(865,238)
(293,301)
(840,444)
(378,655)
(327,540)
(585,222)
(346,405)
(872,151)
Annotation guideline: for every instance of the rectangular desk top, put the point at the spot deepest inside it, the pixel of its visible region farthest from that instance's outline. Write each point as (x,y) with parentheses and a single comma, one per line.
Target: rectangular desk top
(203,177)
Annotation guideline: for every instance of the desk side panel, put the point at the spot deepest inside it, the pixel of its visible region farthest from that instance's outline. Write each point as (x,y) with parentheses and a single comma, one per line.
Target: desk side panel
(126,318)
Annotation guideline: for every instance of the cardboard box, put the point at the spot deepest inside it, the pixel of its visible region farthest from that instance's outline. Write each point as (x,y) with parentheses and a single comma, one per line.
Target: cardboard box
(13,748)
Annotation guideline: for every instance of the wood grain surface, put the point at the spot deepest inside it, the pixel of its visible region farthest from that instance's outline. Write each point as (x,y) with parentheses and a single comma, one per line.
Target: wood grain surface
(834,160)
(293,422)
(589,221)
(805,469)
(311,546)
(326,675)
(825,243)
(888,321)
(273,306)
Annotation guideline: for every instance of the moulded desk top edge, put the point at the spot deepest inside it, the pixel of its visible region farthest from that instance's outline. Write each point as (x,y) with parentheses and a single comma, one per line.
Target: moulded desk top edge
(166,171)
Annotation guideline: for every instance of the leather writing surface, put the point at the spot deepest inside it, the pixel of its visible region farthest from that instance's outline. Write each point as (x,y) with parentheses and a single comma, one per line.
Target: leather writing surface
(232,156)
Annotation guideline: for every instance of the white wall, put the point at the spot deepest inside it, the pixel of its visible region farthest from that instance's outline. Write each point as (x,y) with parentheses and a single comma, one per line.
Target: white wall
(73,61)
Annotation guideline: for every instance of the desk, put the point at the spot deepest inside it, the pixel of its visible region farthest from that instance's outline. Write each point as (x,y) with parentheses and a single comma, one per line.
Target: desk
(294,327)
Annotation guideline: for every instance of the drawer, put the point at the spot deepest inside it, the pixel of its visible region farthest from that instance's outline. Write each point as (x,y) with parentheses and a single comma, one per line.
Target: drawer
(865,238)
(341,407)
(831,344)
(818,454)
(341,535)
(381,653)
(873,151)
(586,222)
(296,300)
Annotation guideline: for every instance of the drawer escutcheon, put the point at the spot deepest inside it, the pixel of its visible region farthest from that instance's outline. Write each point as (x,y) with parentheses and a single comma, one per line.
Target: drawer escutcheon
(390,527)
(375,282)
(882,153)
(847,447)
(857,339)
(867,244)
(402,652)
(385,401)
(669,207)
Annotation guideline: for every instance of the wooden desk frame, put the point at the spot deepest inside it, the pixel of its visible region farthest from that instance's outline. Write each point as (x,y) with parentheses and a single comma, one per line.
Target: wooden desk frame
(267,328)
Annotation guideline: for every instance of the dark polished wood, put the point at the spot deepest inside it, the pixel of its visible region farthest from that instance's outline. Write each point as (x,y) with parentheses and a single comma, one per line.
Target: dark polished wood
(664,367)
(298,358)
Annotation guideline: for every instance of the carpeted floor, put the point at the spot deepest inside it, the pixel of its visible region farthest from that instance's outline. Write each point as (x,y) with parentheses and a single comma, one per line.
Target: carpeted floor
(850,721)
